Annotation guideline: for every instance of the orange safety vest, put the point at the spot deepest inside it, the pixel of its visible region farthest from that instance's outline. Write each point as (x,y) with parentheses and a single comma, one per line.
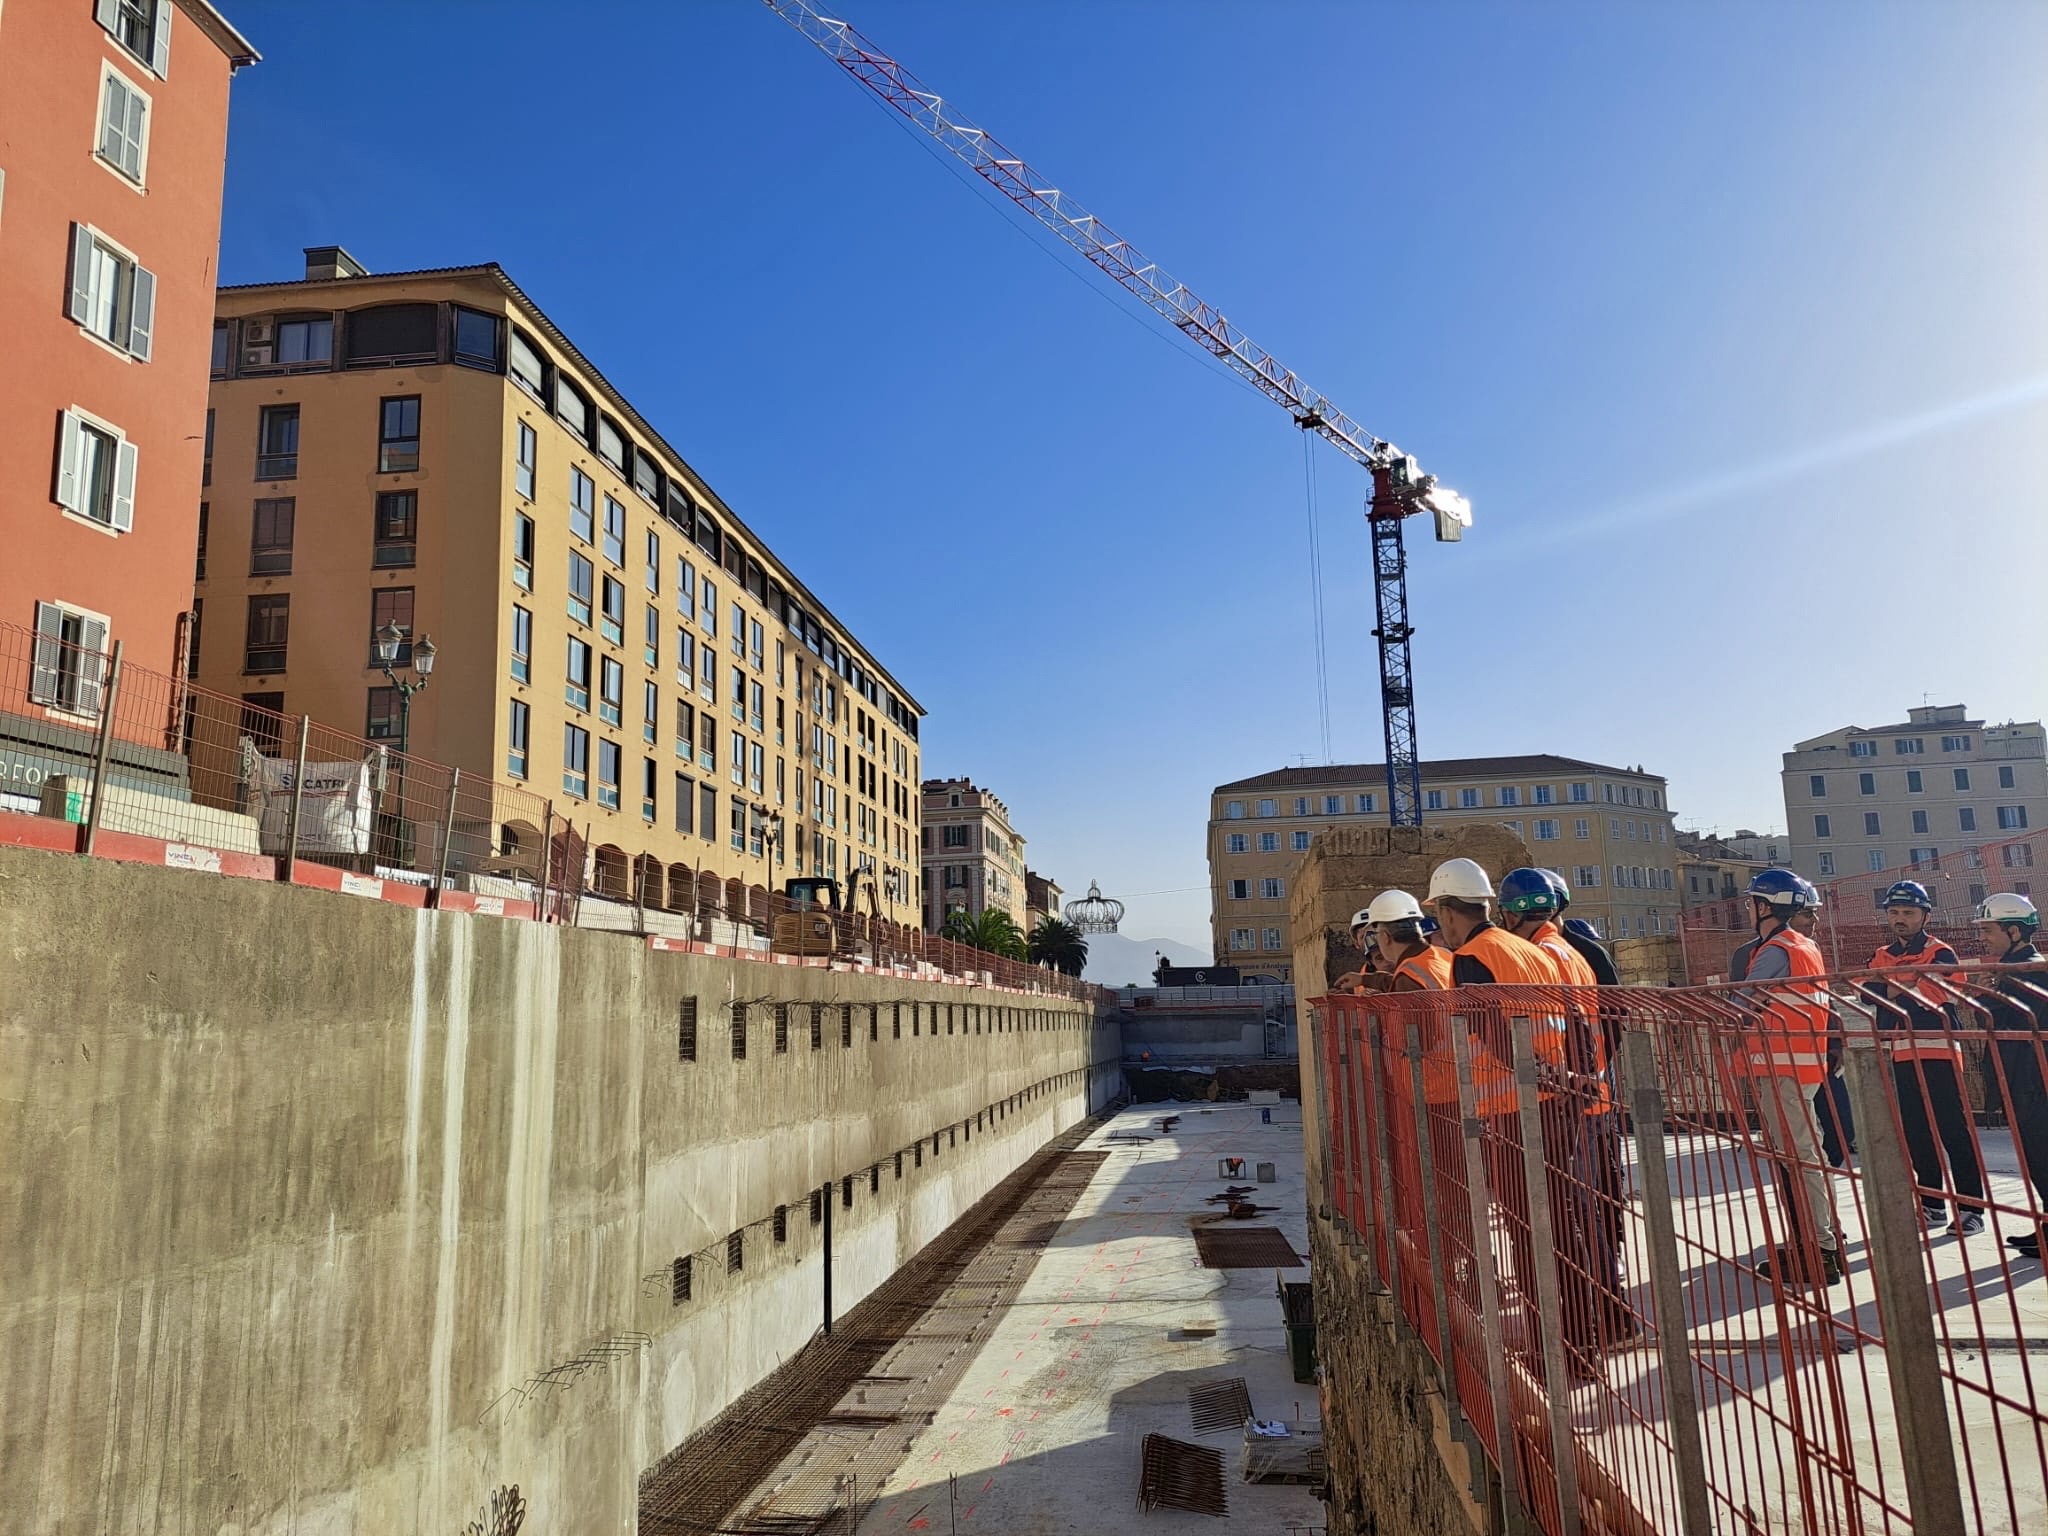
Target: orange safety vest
(1927,1042)
(1430,970)
(1577,972)
(1512,962)
(1791,1039)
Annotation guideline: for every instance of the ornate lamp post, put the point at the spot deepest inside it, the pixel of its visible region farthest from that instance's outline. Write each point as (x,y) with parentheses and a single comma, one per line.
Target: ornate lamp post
(1095,912)
(388,640)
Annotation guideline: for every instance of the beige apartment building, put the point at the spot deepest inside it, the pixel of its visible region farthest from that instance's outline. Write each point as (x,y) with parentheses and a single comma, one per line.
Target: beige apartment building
(1898,800)
(1607,830)
(427,449)
(973,858)
(1713,873)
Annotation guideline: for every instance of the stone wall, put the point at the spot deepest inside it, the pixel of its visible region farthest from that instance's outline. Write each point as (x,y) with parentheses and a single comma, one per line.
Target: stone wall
(325,1215)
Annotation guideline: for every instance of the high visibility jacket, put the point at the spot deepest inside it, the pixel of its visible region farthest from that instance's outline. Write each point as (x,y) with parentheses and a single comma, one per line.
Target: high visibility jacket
(1921,997)
(1588,1044)
(1430,970)
(1791,1038)
(1511,962)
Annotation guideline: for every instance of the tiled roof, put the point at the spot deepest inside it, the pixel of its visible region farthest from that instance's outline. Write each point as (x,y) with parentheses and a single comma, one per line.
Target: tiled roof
(1535,765)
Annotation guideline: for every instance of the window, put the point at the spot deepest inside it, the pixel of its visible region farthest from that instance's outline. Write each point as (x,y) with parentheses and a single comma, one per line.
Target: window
(611,697)
(653,562)
(1825,863)
(686,588)
(739,630)
(1928,857)
(2012,818)
(686,804)
(582,582)
(1333,805)
(1301,805)
(397,529)
(608,760)
(1966,819)
(1509,795)
(1955,743)
(309,339)
(1630,828)
(2017,856)
(1514,827)
(277,443)
(576,760)
(1580,793)
(1298,842)
(477,338)
(572,407)
(1587,876)
(112,296)
(577,691)
(1367,804)
(952,837)
(1817,786)
(1870,824)
(1621,874)
(1236,842)
(1269,808)
(1468,799)
(1962,778)
(382,722)
(1241,938)
(582,505)
(522,552)
(1546,830)
(527,367)
(1240,890)
(614,530)
(525,460)
(1906,746)
(1272,938)
(270,622)
(1545,795)
(219,362)
(206,464)
(517,728)
(1913,785)
(1272,889)
(614,623)
(1866,783)
(1863,749)
(1920,822)
(1432,799)
(1877,859)
(2005,778)
(124,126)
(1234,810)
(710,606)
(1269,842)
(270,537)
(1821,828)
(70,668)
(392,605)
(143,27)
(647,476)
(1582,828)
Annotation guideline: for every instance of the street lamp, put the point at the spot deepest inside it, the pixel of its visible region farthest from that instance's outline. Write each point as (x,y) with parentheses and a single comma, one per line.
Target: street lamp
(388,640)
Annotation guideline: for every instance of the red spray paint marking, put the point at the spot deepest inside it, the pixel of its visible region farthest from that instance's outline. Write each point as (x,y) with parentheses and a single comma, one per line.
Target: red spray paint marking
(988,1485)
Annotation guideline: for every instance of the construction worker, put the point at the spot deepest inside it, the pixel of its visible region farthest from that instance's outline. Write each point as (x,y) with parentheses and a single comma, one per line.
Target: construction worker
(1785,1058)
(1831,1099)
(1371,975)
(1926,1060)
(1405,954)
(1578,933)
(1483,954)
(2007,922)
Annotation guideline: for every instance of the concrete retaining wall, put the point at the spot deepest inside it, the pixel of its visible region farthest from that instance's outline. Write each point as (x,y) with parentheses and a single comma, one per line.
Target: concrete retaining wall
(326,1215)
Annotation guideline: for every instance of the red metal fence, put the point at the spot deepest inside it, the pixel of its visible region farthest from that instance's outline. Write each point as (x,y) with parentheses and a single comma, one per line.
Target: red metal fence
(104,751)
(1614,1218)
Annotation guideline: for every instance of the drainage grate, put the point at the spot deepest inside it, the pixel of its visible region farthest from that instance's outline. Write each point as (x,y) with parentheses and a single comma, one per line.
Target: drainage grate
(1214,1405)
(1176,1475)
(1245,1248)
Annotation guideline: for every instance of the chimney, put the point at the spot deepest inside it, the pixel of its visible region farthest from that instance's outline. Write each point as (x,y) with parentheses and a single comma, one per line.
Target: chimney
(324,263)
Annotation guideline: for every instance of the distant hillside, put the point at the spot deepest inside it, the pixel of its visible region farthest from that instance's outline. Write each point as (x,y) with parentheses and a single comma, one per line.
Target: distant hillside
(1114,960)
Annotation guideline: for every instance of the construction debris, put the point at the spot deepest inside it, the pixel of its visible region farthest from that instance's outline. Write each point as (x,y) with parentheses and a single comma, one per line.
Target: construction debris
(1174,1474)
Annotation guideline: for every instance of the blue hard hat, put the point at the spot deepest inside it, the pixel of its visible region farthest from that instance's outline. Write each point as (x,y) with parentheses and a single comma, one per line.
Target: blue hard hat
(1779,887)
(1429,925)
(1909,893)
(1527,890)
(1812,894)
(1582,928)
(1562,891)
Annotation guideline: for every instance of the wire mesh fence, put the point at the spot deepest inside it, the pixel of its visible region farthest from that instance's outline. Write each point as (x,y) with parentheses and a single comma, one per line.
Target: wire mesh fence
(1734,1258)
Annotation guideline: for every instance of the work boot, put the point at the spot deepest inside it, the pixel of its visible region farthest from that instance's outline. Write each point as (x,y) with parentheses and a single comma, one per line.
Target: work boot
(1796,1266)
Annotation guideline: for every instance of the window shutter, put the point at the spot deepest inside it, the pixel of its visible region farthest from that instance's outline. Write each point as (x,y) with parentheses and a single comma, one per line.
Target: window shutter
(79,306)
(131,152)
(69,443)
(141,312)
(160,40)
(92,666)
(107,13)
(49,653)
(113,119)
(124,487)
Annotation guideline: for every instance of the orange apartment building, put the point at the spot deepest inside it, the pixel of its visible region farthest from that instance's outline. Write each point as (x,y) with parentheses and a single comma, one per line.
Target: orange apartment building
(113,138)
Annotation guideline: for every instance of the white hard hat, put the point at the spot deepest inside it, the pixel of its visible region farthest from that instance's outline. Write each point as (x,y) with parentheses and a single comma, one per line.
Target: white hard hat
(2006,907)
(1391,907)
(1461,878)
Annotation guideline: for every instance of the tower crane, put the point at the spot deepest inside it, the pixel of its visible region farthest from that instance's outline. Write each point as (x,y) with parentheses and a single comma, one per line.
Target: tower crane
(1400,489)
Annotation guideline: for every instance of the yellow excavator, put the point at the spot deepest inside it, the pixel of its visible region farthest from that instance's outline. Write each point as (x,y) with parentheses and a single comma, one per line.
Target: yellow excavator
(821,917)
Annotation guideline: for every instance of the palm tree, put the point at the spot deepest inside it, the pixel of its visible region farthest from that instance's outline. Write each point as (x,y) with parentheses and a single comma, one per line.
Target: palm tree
(1058,943)
(993,931)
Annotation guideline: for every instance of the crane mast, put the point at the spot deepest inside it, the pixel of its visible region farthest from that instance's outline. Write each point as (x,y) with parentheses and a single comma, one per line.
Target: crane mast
(1400,490)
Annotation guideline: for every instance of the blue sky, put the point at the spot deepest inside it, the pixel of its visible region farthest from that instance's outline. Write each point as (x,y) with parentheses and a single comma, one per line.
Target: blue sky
(1729,318)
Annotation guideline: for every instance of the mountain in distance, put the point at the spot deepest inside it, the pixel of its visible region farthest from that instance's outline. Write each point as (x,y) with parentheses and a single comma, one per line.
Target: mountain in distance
(1114,960)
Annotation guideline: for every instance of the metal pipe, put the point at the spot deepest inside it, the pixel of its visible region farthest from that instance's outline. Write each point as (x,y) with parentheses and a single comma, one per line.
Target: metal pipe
(825,1203)
(447,833)
(101,747)
(291,826)
(1543,1237)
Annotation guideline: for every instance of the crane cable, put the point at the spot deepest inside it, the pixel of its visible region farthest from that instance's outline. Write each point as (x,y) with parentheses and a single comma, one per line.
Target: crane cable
(1315,583)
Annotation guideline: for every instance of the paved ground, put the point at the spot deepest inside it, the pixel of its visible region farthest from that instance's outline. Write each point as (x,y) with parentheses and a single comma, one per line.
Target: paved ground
(1039,1426)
